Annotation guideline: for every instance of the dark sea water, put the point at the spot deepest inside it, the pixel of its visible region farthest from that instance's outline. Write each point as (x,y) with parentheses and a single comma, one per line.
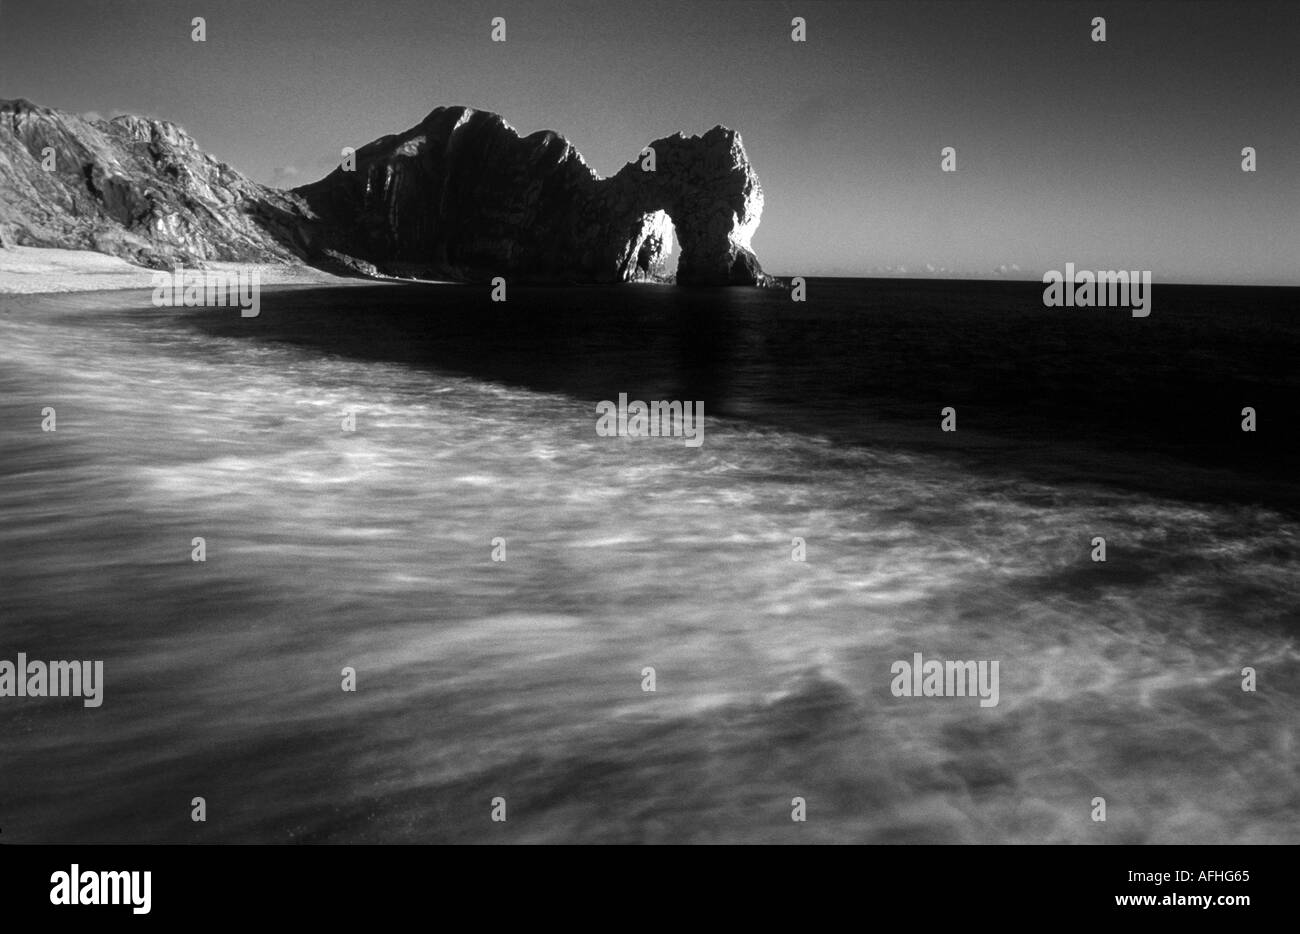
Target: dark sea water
(522,679)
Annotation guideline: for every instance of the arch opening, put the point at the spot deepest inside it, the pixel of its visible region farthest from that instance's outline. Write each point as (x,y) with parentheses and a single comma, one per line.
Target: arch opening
(657,249)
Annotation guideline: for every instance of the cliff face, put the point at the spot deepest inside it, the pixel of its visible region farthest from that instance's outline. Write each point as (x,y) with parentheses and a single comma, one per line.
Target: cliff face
(462,195)
(135,188)
(459,196)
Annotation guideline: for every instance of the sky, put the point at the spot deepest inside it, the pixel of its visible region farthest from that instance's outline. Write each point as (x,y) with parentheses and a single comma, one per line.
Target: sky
(1117,155)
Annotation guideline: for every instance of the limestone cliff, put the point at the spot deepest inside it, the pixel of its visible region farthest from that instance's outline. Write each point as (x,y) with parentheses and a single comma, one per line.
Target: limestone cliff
(135,188)
(458,196)
(462,195)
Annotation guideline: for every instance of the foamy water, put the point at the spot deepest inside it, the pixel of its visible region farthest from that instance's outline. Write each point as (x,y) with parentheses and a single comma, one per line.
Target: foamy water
(372,549)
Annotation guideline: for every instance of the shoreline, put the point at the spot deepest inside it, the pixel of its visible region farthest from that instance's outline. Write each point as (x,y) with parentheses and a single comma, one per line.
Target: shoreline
(30,270)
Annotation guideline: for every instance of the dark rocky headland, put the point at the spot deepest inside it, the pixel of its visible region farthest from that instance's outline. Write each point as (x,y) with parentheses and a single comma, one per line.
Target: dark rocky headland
(459,196)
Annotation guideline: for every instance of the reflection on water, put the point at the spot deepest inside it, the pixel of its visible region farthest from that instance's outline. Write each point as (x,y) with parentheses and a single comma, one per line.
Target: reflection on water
(522,678)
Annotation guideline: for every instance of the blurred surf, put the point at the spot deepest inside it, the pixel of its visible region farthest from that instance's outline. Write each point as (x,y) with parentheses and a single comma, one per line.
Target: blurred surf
(522,678)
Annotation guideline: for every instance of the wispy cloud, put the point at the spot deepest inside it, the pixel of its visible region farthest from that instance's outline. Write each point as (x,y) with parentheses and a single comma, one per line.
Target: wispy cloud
(284,176)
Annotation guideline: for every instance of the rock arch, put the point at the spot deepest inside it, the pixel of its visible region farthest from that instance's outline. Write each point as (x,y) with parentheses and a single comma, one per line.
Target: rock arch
(462,195)
(707,188)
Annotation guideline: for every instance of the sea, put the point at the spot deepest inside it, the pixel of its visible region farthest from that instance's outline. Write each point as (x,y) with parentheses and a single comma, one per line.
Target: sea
(560,636)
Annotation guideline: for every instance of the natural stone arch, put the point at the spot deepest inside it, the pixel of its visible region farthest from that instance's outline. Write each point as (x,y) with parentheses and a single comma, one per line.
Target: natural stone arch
(463,196)
(706,187)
